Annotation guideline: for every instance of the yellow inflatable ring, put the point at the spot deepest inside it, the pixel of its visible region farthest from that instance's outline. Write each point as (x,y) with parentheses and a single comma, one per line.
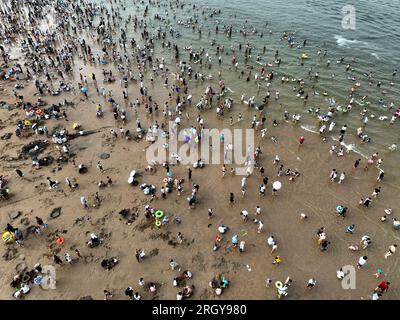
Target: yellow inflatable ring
(8,237)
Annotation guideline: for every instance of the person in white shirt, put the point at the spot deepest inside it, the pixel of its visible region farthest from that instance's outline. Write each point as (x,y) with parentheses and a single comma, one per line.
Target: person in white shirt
(260,226)
(396,223)
(376,296)
(141,282)
(362,261)
(137,296)
(271,241)
(241,246)
(262,190)
(179,296)
(222,229)
(244,214)
(342,177)
(340,274)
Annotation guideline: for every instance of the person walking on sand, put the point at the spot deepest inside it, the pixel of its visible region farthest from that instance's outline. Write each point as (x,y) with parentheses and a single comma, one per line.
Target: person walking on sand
(70,184)
(141,282)
(365,202)
(365,241)
(260,226)
(189,174)
(376,192)
(77,252)
(241,246)
(380,176)
(333,175)
(362,261)
(68,258)
(52,183)
(84,202)
(392,250)
(244,214)
(231,198)
(357,163)
(272,243)
(153,288)
(180,238)
(140,254)
(342,177)
(129,293)
(396,223)
(262,190)
(100,166)
(311,283)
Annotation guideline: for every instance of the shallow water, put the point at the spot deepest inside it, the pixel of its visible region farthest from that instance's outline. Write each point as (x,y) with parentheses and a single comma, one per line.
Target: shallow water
(374,44)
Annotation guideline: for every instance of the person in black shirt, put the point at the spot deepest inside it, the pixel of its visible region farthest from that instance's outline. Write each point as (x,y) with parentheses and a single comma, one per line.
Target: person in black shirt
(10,228)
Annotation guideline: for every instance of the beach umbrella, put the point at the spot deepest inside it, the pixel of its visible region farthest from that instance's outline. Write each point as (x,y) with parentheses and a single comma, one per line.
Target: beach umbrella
(130,180)
(277,185)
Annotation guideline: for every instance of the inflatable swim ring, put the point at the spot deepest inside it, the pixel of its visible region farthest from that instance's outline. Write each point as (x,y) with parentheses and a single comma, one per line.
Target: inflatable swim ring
(8,237)
(158,223)
(159,214)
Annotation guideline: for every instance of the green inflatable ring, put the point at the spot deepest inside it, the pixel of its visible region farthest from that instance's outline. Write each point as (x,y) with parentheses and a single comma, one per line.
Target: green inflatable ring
(159,214)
